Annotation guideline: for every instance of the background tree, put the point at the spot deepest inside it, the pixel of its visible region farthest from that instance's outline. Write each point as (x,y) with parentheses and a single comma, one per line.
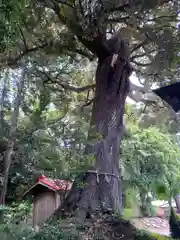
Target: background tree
(11,138)
(150,162)
(50,133)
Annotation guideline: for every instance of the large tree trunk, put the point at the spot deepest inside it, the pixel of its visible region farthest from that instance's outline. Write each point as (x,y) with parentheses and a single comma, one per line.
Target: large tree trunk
(102,191)
(177,201)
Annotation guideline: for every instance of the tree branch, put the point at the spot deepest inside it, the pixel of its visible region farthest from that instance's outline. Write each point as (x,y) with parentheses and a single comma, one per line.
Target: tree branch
(23,38)
(73,26)
(137,46)
(119,7)
(88,103)
(75,89)
(161,17)
(85,54)
(66,86)
(94,43)
(11,62)
(141,64)
(65,3)
(117,19)
(140,55)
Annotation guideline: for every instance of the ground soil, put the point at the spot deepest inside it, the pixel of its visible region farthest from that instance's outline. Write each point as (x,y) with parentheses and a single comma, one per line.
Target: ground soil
(156,225)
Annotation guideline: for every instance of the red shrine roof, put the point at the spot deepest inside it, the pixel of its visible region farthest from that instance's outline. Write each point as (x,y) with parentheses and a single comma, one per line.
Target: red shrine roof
(52,184)
(55,184)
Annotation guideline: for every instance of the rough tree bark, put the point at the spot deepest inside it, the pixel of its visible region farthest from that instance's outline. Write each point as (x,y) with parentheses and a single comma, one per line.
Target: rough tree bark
(177,201)
(102,191)
(10,144)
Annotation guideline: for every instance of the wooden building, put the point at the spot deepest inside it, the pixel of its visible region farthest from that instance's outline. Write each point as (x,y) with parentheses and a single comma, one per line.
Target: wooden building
(47,195)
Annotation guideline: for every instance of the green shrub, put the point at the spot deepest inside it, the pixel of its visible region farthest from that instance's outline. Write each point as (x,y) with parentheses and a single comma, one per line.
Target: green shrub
(19,212)
(160,237)
(14,232)
(15,213)
(48,232)
(143,235)
(61,231)
(3,212)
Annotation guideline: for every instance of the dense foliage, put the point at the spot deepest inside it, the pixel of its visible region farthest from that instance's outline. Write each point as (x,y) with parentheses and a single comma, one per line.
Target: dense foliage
(150,163)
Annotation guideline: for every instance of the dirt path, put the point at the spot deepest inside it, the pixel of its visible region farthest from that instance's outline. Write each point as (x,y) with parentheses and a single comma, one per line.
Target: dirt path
(155,225)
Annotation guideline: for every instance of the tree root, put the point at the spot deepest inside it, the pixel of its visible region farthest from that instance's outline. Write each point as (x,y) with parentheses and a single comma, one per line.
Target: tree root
(105,227)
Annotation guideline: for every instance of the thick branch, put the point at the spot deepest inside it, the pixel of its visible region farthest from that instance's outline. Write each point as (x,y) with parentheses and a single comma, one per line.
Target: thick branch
(74,27)
(137,46)
(75,89)
(94,43)
(117,19)
(13,61)
(85,54)
(161,17)
(66,86)
(23,38)
(141,64)
(140,55)
(65,3)
(119,6)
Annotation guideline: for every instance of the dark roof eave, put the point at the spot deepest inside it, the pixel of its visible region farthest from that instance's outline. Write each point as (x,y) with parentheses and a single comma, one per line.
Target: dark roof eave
(39,183)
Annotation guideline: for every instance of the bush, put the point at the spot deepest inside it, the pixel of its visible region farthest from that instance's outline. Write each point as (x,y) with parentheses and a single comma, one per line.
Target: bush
(49,232)
(19,212)
(160,237)
(3,212)
(15,213)
(69,231)
(143,235)
(12,232)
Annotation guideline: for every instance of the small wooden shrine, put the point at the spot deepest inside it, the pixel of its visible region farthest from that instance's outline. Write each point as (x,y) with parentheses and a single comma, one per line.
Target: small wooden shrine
(47,195)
